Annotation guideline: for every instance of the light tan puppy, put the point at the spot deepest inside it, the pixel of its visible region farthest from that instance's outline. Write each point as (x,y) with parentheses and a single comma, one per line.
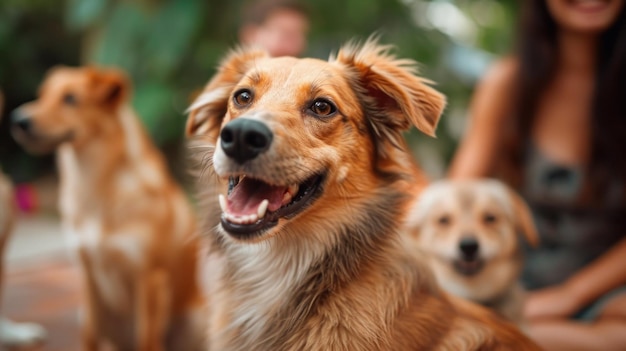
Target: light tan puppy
(471,230)
(307,253)
(131,224)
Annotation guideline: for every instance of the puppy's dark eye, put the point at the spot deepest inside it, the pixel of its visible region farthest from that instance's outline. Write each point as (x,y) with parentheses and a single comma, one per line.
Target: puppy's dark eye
(489,218)
(323,108)
(69,99)
(243,97)
(444,220)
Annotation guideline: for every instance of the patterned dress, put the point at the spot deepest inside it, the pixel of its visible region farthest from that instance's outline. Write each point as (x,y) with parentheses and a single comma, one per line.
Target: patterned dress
(573,230)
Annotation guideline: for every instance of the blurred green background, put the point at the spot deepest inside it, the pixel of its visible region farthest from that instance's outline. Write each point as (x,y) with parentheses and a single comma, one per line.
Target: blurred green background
(170,49)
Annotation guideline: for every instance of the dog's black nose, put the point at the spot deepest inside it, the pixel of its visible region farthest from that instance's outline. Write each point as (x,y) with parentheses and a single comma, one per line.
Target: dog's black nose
(243,139)
(20,120)
(469,247)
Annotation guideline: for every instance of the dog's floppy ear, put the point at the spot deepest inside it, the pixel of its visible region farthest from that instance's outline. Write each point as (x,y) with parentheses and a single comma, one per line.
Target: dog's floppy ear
(523,218)
(110,87)
(394,96)
(422,205)
(208,109)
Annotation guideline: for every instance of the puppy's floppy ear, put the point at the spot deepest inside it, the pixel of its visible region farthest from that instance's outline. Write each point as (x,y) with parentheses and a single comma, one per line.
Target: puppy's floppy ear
(415,218)
(420,210)
(208,109)
(109,87)
(523,218)
(394,96)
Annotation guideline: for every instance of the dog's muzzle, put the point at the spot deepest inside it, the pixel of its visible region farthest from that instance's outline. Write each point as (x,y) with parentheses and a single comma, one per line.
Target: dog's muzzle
(21,121)
(470,262)
(25,132)
(255,202)
(243,139)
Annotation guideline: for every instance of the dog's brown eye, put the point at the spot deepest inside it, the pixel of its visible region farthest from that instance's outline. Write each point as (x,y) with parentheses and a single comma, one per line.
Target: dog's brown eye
(489,218)
(323,108)
(444,220)
(243,97)
(69,99)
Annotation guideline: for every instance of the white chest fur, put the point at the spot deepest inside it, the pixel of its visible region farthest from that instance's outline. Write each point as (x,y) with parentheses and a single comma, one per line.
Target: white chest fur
(84,226)
(266,277)
(71,184)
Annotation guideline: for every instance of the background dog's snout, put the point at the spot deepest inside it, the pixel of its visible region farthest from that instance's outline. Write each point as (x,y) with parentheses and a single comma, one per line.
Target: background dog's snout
(469,247)
(20,120)
(243,139)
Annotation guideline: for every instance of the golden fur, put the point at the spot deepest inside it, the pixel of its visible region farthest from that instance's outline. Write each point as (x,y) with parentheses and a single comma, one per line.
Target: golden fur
(492,217)
(324,268)
(130,223)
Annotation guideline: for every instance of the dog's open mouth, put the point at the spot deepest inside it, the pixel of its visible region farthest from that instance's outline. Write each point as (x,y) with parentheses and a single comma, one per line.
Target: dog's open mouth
(469,267)
(253,206)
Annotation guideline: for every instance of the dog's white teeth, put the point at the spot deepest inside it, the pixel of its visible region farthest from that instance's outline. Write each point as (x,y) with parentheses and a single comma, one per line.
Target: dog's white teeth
(222,201)
(287,197)
(290,193)
(246,219)
(293,189)
(243,219)
(249,219)
(260,212)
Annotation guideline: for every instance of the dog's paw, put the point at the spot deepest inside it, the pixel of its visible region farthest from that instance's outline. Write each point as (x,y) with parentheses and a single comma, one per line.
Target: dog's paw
(20,334)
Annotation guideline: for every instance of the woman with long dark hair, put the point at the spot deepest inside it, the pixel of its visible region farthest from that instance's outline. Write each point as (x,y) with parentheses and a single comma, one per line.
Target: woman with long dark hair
(551,121)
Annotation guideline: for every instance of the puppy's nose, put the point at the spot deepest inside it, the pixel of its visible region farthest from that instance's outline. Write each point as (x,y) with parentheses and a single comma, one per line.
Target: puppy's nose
(243,139)
(20,120)
(469,247)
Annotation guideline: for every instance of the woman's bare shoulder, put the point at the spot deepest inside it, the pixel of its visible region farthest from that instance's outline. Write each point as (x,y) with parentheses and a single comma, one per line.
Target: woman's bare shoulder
(495,91)
(501,74)
(489,109)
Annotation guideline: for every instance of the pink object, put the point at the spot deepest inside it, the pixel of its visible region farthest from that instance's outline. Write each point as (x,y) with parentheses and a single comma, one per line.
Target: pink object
(26,198)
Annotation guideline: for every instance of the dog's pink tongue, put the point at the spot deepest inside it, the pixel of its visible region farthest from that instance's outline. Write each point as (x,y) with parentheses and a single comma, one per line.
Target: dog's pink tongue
(249,193)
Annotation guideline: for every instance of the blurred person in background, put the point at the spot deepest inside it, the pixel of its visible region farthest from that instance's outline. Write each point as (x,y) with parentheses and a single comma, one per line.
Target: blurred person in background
(551,121)
(278,26)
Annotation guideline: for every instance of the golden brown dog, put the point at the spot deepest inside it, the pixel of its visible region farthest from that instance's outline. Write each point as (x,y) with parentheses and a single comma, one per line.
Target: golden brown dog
(307,253)
(471,231)
(130,222)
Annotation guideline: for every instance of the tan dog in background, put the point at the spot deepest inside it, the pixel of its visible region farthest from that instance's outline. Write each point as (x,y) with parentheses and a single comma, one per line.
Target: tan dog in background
(307,254)
(130,222)
(471,231)
(12,334)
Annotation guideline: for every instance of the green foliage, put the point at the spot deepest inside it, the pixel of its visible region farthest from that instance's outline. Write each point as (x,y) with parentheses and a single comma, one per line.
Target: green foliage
(80,13)
(32,39)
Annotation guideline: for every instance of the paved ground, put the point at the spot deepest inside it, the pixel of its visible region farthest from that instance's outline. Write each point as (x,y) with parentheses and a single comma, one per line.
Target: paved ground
(42,282)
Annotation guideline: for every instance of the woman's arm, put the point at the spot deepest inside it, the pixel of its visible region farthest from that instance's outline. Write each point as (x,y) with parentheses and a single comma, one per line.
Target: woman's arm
(489,109)
(599,277)
(604,274)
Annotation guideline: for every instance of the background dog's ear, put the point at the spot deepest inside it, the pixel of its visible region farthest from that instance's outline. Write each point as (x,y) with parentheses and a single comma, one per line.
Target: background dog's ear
(421,206)
(209,107)
(523,218)
(394,95)
(414,220)
(110,87)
